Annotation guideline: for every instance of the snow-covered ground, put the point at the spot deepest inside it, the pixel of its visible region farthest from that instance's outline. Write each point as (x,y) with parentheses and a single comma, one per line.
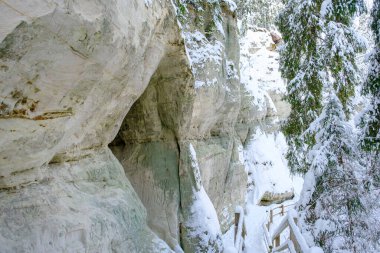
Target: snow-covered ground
(274,176)
(266,165)
(258,215)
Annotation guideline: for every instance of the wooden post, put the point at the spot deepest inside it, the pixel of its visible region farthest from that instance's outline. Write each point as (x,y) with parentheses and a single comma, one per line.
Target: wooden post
(277,241)
(244,233)
(292,237)
(271,216)
(282,210)
(237,218)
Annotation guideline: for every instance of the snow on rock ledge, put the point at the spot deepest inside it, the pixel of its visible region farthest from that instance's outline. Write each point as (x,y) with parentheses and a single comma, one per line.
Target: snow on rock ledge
(260,118)
(268,169)
(260,74)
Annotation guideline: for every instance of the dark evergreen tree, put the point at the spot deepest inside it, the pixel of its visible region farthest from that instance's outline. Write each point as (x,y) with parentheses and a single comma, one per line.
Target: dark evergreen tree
(319,51)
(331,201)
(301,63)
(259,13)
(371,119)
(318,58)
(340,46)
(370,138)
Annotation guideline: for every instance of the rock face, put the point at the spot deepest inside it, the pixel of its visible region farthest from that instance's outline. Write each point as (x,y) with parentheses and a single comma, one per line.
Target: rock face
(212,44)
(262,111)
(156,83)
(70,72)
(82,206)
(192,100)
(70,75)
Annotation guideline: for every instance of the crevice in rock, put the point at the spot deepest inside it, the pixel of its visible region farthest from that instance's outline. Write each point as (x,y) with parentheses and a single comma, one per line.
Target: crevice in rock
(147,142)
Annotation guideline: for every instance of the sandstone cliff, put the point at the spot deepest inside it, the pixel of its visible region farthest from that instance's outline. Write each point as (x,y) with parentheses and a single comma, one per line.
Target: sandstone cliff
(122,125)
(79,75)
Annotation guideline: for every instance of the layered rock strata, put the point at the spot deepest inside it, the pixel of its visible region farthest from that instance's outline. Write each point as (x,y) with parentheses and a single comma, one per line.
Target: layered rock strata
(156,81)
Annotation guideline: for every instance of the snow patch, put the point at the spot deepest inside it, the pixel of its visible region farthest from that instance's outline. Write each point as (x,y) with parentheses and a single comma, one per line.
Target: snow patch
(206,83)
(204,217)
(219,27)
(265,162)
(326,7)
(259,67)
(231,5)
(201,50)
(204,221)
(148,3)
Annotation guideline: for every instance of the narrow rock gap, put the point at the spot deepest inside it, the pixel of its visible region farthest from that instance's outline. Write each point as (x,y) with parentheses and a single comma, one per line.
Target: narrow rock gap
(147,145)
(148,152)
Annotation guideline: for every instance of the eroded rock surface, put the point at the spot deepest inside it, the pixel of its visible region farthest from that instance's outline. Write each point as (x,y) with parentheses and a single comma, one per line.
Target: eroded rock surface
(148,79)
(70,75)
(80,206)
(70,72)
(192,99)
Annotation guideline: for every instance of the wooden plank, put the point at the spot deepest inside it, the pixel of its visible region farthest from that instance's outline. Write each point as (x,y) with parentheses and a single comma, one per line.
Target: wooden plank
(268,239)
(271,216)
(277,241)
(298,238)
(281,247)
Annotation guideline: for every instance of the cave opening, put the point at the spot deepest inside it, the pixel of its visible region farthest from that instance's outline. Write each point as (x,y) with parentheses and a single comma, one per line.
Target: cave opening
(147,143)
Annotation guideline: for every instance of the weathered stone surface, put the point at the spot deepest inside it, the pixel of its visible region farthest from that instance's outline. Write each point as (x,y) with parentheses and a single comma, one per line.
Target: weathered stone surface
(200,228)
(75,74)
(195,101)
(69,74)
(211,29)
(65,72)
(80,206)
(270,198)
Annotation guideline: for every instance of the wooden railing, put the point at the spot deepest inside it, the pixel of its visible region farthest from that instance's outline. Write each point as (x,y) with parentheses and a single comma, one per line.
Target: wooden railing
(296,242)
(240,229)
(273,212)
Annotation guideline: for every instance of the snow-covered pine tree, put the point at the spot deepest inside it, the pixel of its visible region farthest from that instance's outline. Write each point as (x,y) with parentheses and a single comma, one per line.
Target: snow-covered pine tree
(318,58)
(331,199)
(258,13)
(302,64)
(370,138)
(371,119)
(340,46)
(319,51)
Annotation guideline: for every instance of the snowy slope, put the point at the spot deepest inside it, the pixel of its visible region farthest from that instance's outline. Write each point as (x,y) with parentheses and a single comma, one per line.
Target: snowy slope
(264,150)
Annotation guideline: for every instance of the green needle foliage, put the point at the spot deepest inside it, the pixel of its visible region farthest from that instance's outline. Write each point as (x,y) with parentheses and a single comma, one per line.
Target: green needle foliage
(371,119)
(319,52)
(331,204)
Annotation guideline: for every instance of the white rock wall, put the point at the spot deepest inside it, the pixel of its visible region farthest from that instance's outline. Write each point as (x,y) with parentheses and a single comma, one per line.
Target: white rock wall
(70,71)
(76,74)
